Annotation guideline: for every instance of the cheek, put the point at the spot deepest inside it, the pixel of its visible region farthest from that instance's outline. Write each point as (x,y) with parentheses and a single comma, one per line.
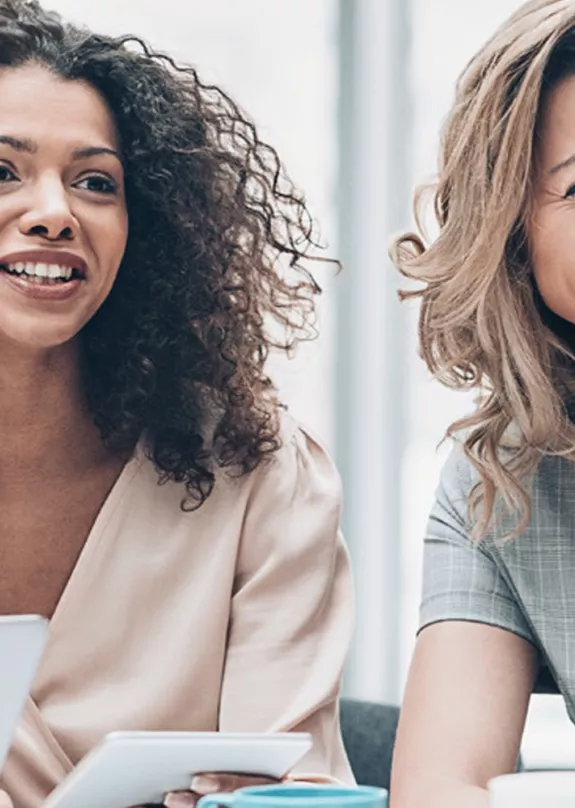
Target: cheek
(552,248)
(113,243)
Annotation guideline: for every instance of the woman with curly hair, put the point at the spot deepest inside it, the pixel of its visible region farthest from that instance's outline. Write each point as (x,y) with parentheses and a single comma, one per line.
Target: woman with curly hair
(498,315)
(157,504)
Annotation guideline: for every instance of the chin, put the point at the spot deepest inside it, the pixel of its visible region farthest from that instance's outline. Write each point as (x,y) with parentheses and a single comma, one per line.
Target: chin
(37,336)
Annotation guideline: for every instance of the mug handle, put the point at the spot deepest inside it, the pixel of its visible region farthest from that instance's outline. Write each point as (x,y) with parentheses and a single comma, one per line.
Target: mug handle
(213,800)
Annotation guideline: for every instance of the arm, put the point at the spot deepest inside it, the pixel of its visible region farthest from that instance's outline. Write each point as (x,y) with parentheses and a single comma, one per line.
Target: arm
(463,715)
(291,616)
(473,669)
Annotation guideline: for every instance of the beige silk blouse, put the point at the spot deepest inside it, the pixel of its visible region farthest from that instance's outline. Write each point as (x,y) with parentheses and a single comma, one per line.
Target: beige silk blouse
(233,617)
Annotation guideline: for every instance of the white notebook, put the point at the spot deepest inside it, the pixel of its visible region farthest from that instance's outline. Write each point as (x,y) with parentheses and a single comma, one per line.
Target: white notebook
(137,768)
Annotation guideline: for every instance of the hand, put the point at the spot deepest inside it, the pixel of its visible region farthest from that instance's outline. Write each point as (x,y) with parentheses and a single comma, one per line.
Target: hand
(5,801)
(203,784)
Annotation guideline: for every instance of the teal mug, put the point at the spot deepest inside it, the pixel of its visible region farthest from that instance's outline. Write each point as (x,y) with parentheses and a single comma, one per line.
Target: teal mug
(293,795)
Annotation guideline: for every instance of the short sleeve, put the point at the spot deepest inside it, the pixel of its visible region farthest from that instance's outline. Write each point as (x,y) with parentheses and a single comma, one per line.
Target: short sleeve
(461,579)
(292,608)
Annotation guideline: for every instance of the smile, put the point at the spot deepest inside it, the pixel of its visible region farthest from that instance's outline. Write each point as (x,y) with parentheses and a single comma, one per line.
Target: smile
(44,275)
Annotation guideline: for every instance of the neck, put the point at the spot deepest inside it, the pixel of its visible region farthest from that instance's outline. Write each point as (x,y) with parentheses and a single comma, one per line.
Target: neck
(44,418)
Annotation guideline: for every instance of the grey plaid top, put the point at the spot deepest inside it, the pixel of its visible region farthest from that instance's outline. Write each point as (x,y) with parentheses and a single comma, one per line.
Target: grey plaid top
(525,585)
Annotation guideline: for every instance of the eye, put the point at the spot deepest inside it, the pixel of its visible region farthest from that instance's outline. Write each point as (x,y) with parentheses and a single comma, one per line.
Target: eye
(6,174)
(570,192)
(97,183)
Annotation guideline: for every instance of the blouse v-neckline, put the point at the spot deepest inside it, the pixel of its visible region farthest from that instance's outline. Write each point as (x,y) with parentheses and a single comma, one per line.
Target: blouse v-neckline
(96,536)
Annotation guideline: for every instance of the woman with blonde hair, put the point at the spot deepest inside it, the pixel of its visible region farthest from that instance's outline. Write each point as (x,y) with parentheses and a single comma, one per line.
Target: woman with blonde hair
(497,289)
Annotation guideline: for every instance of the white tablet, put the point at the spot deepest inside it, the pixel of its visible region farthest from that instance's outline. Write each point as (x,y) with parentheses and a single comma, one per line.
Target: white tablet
(136,768)
(22,640)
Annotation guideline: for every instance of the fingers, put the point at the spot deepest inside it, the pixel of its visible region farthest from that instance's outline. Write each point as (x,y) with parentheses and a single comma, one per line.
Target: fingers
(203,784)
(226,782)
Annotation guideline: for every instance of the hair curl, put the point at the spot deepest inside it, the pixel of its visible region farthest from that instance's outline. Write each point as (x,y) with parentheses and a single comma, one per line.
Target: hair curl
(212,277)
(482,322)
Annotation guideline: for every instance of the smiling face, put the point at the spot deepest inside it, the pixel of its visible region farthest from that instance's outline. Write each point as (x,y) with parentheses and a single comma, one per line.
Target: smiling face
(551,231)
(63,217)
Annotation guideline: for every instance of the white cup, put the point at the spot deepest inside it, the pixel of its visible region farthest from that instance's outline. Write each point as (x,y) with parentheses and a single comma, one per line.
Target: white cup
(533,790)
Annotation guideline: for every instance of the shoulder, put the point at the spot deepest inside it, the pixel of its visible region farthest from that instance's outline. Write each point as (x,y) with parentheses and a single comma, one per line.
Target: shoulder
(293,506)
(457,479)
(550,486)
(301,468)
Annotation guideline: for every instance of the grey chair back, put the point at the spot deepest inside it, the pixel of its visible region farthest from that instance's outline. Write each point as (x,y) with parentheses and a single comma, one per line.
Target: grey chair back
(368,731)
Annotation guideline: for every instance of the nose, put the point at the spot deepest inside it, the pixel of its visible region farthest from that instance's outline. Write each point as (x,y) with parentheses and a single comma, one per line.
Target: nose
(49,214)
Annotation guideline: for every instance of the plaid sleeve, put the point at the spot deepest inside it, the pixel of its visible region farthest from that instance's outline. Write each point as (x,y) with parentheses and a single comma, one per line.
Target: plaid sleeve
(461,580)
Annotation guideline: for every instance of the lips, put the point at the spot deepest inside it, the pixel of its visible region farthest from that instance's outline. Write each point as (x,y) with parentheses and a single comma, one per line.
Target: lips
(54,292)
(43,275)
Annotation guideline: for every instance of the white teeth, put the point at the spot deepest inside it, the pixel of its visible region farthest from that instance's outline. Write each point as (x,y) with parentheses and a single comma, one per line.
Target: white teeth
(37,270)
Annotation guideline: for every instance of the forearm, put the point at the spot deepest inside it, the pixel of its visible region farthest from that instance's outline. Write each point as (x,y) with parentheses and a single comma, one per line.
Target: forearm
(458,796)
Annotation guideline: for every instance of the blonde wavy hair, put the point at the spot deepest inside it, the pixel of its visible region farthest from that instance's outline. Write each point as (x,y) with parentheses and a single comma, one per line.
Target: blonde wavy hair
(482,322)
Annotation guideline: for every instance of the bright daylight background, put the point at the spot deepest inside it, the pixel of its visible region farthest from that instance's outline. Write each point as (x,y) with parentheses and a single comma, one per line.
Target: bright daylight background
(352,93)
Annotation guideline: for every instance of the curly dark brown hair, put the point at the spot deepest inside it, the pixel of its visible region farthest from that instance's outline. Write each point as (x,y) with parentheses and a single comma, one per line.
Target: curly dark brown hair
(212,277)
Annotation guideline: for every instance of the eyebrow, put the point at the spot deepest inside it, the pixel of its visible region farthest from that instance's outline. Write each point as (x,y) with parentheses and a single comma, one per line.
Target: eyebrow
(30,147)
(18,144)
(94,151)
(563,164)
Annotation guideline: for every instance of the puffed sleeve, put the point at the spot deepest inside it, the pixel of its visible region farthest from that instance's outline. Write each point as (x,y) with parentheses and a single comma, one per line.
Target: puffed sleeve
(461,579)
(292,608)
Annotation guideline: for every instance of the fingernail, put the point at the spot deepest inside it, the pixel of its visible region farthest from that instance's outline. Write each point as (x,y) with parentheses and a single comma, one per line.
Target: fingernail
(205,784)
(175,800)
